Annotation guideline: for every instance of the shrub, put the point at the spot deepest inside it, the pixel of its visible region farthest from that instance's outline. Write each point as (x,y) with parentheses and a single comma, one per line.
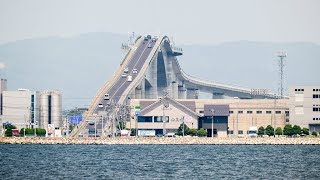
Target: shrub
(296,129)
(261,131)
(192,132)
(180,129)
(314,133)
(287,130)
(8,132)
(269,130)
(305,131)
(278,131)
(202,132)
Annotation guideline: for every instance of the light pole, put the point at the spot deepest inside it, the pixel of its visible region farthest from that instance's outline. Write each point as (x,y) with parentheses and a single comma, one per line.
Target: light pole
(183,126)
(165,105)
(212,111)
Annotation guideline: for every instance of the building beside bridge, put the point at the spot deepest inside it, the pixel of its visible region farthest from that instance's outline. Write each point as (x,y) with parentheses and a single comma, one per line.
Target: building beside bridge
(231,117)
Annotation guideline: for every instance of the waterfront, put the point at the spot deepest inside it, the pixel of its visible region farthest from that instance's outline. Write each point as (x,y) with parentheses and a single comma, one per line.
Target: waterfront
(159,162)
(169,141)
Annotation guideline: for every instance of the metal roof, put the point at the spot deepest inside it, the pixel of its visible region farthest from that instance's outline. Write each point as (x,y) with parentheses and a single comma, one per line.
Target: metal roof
(216,110)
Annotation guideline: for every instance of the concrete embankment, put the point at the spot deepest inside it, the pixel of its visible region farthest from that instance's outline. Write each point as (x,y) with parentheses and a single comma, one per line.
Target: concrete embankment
(173,141)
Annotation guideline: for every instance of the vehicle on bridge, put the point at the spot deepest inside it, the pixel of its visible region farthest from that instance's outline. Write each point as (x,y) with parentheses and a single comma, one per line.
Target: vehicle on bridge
(149,36)
(126,70)
(123,75)
(100,105)
(149,46)
(130,78)
(106,97)
(154,39)
(135,71)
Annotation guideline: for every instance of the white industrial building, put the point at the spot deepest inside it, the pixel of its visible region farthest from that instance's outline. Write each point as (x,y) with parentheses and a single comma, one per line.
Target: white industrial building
(21,108)
(24,108)
(304,105)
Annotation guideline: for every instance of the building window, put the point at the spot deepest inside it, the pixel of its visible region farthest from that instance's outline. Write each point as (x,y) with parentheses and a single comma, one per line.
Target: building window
(147,119)
(259,112)
(315,109)
(240,132)
(230,132)
(231,112)
(299,90)
(268,112)
(249,112)
(287,113)
(314,119)
(158,119)
(201,112)
(278,112)
(287,121)
(240,112)
(316,95)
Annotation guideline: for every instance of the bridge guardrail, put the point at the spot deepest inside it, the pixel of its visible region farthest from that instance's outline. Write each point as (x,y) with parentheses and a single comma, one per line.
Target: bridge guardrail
(101,91)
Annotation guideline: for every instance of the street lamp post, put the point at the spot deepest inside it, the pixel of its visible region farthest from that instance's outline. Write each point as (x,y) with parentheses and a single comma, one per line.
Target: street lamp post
(212,111)
(183,127)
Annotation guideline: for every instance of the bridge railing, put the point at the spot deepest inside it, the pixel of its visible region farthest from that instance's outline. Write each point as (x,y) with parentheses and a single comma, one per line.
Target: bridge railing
(202,82)
(107,85)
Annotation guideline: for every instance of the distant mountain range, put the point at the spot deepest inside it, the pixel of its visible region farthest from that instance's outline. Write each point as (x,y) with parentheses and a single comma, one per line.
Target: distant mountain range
(79,66)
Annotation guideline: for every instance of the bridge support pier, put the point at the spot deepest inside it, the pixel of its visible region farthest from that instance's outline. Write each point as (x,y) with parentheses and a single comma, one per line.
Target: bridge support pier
(192,94)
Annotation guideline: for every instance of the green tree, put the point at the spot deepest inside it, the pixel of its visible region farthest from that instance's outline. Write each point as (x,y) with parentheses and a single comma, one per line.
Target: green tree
(121,125)
(40,131)
(180,129)
(314,133)
(202,133)
(305,131)
(8,132)
(192,132)
(278,131)
(296,129)
(9,128)
(287,130)
(269,130)
(261,131)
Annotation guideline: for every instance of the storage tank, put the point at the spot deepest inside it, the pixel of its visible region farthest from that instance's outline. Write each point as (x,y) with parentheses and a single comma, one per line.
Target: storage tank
(51,109)
(56,109)
(44,109)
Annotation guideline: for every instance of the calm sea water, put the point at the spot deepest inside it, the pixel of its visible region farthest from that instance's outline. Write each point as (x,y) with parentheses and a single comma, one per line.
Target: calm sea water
(159,162)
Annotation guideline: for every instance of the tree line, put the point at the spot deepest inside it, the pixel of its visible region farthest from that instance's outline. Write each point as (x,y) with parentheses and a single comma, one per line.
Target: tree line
(26,131)
(288,130)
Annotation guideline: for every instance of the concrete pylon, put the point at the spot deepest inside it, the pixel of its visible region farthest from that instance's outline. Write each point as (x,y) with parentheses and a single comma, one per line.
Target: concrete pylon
(192,94)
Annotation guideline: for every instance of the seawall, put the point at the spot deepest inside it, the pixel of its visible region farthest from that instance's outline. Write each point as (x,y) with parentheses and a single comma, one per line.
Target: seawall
(162,140)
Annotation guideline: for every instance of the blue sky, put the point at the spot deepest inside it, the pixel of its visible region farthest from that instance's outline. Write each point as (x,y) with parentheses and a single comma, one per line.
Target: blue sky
(189,22)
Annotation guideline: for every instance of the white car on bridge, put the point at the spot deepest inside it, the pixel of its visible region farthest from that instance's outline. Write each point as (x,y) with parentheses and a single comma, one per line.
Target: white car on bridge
(135,71)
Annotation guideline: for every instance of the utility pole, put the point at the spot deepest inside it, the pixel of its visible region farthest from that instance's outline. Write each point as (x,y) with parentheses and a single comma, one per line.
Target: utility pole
(212,111)
(165,104)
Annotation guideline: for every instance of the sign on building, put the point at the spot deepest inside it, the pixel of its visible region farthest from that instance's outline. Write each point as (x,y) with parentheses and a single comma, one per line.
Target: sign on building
(50,129)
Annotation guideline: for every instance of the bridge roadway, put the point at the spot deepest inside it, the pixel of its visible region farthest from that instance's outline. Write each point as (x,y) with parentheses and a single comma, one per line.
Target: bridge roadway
(138,59)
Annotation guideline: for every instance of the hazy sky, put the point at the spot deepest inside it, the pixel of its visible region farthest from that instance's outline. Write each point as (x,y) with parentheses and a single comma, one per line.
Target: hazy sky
(188,21)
